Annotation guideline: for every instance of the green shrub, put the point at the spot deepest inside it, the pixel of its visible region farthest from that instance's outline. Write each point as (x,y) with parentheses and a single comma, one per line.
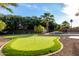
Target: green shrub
(2,25)
(39,29)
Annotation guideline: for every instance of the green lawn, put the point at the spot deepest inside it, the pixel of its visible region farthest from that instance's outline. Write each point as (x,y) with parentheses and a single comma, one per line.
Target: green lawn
(31,44)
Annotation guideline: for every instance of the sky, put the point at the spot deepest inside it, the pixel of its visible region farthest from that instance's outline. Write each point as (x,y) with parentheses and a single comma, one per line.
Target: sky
(61,11)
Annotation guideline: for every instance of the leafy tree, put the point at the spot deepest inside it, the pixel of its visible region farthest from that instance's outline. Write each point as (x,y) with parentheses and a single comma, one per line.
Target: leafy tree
(77,14)
(16,23)
(52,26)
(2,25)
(57,27)
(39,28)
(64,26)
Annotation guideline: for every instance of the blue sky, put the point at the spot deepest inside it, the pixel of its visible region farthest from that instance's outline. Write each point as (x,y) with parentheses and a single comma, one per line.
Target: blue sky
(37,9)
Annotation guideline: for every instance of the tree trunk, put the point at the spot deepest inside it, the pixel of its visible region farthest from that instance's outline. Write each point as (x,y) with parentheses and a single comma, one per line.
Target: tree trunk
(47,24)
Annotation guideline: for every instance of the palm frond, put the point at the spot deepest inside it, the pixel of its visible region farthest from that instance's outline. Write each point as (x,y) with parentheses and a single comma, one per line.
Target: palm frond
(5,6)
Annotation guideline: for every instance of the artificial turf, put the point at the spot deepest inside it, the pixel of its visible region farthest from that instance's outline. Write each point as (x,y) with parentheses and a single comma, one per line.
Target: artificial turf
(29,45)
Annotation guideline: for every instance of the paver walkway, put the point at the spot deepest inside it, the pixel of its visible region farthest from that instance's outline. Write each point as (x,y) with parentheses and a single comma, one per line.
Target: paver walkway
(71,47)
(2,42)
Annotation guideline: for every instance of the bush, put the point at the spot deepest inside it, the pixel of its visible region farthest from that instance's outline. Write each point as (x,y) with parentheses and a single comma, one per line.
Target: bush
(39,29)
(2,25)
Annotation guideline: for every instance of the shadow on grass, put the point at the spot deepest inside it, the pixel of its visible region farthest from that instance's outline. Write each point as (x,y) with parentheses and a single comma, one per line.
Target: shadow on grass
(17,36)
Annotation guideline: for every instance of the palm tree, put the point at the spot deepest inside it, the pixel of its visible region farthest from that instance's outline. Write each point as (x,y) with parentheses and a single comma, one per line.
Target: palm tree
(46,18)
(5,6)
(71,22)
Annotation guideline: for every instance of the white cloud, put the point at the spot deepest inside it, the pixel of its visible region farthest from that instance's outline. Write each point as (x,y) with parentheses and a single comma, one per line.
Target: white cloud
(46,9)
(70,10)
(31,6)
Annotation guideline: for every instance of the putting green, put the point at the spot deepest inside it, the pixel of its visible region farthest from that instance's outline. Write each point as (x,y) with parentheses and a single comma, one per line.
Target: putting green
(32,45)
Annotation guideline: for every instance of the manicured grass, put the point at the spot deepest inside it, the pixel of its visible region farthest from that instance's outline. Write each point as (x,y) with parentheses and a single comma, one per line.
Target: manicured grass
(17,36)
(29,45)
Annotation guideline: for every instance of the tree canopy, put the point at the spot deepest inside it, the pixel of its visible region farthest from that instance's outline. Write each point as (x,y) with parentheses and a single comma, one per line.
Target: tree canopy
(47,17)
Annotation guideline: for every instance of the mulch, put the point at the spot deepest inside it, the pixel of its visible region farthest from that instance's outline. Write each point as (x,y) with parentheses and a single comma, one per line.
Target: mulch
(71,46)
